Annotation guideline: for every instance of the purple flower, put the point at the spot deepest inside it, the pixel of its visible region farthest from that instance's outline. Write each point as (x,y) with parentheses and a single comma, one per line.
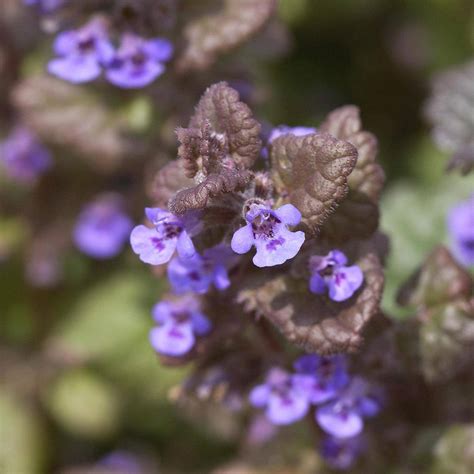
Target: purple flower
(461,228)
(328,375)
(330,272)
(81,52)
(157,245)
(138,61)
(341,453)
(179,322)
(45,6)
(284,129)
(267,230)
(23,156)
(102,227)
(283,395)
(343,416)
(199,272)
(120,462)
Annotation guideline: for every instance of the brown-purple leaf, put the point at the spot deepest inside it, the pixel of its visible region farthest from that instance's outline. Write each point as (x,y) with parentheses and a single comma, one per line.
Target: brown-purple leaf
(168,181)
(210,35)
(221,142)
(314,322)
(311,173)
(69,115)
(450,110)
(198,197)
(232,120)
(358,215)
(439,280)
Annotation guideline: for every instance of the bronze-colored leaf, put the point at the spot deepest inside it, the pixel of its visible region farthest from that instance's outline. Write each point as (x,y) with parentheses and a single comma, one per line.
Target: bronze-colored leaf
(167,182)
(232,120)
(210,35)
(358,215)
(227,181)
(439,280)
(221,142)
(69,115)
(311,171)
(447,340)
(314,322)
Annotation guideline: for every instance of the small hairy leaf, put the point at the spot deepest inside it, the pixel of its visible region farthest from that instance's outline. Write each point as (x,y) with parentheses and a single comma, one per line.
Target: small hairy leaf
(68,115)
(210,35)
(314,322)
(227,181)
(221,142)
(311,171)
(358,215)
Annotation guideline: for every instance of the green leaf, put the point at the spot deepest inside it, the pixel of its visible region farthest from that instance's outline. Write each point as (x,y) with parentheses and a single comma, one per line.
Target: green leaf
(22,436)
(453,453)
(84,404)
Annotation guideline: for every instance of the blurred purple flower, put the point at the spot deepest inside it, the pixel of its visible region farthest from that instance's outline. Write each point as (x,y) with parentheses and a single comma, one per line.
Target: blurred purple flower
(102,227)
(45,6)
(179,322)
(344,416)
(260,431)
(157,245)
(284,129)
(267,230)
(23,156)
(121,462)
(329,375)
(342,453)
(285,397)
(461,228)
(199,272)
(82,52)
(330,272)
(138,61)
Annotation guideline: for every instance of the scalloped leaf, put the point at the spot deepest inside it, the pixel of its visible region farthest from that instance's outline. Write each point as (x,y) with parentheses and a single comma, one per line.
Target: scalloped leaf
(447,340)
(311,171)
(439,280)
(358,215)
(314,322)
(70,116)
(228,116)
(221,142)
(210,35)
(451,111)
(442,292)
(215,184)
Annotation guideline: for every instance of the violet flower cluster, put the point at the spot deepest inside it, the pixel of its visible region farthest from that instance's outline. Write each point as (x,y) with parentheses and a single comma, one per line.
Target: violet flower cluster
(87,52)
(242,239)
(341,402)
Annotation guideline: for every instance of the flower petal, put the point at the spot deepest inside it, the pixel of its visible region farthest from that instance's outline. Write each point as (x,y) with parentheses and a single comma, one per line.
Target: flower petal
(172,339)
(242,240)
